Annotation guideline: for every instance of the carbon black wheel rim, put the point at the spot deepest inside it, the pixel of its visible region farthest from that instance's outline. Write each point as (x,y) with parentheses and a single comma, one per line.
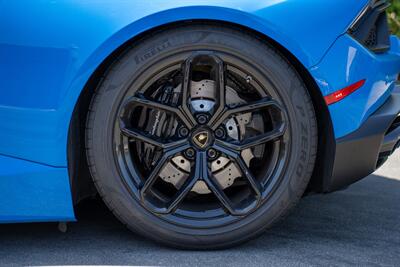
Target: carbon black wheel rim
(203,140)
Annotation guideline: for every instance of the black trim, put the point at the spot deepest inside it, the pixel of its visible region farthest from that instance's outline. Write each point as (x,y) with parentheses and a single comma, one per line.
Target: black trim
(363,151)
(371,27)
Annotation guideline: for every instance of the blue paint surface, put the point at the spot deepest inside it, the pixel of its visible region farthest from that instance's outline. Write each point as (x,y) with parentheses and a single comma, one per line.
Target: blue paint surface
(31,192)
(348,62)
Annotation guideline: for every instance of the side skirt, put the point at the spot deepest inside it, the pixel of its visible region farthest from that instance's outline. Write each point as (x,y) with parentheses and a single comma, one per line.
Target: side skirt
(31,192)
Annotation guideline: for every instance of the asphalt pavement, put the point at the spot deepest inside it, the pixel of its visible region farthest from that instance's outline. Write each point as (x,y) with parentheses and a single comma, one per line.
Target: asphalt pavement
(357,226)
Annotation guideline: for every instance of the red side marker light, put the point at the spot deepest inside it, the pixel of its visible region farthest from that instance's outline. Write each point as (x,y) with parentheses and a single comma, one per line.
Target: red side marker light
(340,94)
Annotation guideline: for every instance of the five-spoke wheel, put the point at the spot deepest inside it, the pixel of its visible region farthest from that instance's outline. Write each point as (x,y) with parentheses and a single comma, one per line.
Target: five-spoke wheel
(200,140)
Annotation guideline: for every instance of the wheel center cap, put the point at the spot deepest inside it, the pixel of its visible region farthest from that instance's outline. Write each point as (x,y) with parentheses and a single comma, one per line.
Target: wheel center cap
(202,138)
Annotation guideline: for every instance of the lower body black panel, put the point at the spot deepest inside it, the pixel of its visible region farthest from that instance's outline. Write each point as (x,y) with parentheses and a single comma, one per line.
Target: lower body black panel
(363,151)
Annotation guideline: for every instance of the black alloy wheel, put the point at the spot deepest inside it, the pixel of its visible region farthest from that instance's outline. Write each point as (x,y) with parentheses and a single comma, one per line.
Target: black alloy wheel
(197,143)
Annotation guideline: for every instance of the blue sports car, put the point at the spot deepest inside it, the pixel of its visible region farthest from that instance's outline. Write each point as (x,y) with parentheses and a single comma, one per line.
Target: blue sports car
(200,123)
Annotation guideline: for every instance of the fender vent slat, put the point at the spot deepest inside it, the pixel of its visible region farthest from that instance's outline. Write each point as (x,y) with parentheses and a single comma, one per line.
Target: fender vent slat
(371,27)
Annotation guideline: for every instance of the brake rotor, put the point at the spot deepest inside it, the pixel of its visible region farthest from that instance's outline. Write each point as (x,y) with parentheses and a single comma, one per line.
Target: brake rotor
(203,99)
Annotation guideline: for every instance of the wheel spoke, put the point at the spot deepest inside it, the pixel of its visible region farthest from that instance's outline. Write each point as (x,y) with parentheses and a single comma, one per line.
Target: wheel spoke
(213,185)
(236,157)
(256,186)
(140,136)
(187,76)
(255,106)
(140,101)
(157,169)
(128,130)
(219,74)
(220,88)
(256,140)
(220,194)
(154,175)
(194,176)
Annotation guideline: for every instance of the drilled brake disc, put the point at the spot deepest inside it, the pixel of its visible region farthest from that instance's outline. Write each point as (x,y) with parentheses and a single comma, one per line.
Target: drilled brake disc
(225,172)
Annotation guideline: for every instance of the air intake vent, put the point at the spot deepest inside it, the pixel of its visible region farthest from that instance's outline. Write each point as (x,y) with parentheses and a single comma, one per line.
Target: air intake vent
(371,27)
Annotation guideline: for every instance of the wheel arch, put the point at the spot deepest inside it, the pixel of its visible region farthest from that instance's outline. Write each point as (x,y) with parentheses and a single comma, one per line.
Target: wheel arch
(80,179)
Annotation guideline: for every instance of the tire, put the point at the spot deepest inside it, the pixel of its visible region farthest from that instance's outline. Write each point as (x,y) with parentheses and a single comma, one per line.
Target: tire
(282,170)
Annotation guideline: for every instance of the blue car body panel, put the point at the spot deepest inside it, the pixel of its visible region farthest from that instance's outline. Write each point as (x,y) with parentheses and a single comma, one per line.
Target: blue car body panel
(33,192)
(50,49)
(348,62)
(56,46)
